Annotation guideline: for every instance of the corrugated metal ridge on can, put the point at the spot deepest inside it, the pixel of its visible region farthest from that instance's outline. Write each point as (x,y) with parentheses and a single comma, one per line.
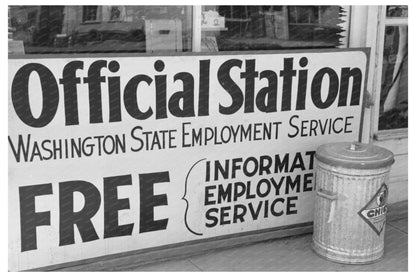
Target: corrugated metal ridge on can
(354,155)
(348,172)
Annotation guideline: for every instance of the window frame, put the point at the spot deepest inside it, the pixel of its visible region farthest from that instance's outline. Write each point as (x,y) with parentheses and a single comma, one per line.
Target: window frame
(97,15)
(378,46)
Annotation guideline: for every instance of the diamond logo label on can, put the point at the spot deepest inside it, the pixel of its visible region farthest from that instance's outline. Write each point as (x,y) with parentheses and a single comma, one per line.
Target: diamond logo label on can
(374,213)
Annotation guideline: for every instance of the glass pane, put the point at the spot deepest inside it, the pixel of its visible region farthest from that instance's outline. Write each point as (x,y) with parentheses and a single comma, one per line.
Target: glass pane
(227,28)
(63,29)
(394,96)
(396,11)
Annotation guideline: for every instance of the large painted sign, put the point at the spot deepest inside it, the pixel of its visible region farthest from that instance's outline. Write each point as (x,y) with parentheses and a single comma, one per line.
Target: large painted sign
(111,154)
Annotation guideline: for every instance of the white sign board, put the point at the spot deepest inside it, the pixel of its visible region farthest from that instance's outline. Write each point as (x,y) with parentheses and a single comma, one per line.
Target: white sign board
(112,154)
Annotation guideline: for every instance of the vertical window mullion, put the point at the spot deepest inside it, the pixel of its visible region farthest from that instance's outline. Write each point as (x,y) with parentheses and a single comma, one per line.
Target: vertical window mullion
(362,29)
(378,68)
(196,28)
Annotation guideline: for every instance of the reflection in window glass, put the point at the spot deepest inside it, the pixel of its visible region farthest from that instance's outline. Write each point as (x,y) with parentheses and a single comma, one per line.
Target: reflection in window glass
(117,28)
(89,13)
(394,94)
(396,11)
(226,28)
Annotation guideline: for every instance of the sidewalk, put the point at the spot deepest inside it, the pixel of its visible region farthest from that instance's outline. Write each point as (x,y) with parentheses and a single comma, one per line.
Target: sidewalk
(295,254)
(292,254)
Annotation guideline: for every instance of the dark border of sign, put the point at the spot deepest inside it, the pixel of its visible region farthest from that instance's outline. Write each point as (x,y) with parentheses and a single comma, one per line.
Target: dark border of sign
(365,50)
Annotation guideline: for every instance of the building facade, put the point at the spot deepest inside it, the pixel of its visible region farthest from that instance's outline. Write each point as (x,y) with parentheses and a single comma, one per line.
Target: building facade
(105,44)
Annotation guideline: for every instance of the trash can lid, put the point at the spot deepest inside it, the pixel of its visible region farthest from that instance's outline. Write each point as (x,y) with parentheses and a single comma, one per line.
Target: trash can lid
(354,155)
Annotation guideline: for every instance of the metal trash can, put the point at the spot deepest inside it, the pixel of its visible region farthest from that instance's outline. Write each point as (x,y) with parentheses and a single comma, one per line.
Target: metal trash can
(351,202)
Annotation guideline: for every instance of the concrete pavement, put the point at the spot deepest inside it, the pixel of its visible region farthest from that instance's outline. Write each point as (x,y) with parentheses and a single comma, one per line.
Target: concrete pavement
(289,254)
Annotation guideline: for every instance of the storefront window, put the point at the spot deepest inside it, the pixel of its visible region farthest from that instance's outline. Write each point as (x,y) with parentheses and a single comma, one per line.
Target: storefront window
(394,92)
(89,13)
(396,11)
(229,28)
(83,29)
